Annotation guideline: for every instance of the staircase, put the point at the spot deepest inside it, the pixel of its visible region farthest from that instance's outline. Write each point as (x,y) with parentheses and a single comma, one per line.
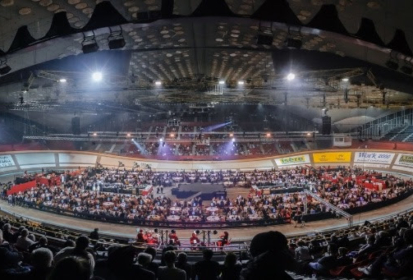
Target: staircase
(403,134)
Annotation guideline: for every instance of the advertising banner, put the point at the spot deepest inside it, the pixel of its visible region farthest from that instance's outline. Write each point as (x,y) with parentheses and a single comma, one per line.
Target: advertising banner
(294,160)
(373,157)
(6,160)
(404,160)
(332,157)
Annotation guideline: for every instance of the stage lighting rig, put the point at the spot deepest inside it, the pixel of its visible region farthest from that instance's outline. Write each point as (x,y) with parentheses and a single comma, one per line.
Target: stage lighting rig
(89,44)
(115,39)
(293,41)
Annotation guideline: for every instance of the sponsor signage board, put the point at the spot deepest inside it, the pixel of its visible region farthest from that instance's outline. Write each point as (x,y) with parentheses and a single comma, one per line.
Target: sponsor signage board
(294,160)
(6,160)
(332,157)
(404,160)
(373,157)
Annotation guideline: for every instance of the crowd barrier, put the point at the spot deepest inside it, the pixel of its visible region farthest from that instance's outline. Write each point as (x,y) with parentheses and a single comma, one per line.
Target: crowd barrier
(147,223)
(377,205)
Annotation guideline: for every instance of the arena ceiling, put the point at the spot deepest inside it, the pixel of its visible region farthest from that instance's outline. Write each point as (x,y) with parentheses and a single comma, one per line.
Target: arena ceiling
(190,45)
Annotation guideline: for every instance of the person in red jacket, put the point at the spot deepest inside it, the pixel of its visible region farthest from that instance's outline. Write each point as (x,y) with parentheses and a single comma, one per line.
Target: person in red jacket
(174,237)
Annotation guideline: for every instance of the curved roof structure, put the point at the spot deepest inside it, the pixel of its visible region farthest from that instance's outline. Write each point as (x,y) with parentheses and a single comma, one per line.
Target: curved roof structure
(190,45)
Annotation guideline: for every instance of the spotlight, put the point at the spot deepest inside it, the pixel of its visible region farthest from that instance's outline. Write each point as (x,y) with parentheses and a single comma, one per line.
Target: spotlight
(240,83)
(132,139)
(160,139)
(290,76)
(308,134)
(115,39)
(291,44)
(93,47)
(233,139)
(158,83)
(128,134)
(63,80)
(345,79)
(172,135)
(89,43)
(268,134)
(95,134)
(231,135)
(221,82)
(97,76)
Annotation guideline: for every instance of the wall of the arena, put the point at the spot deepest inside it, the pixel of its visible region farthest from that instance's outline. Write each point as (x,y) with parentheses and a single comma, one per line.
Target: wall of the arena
(397,161)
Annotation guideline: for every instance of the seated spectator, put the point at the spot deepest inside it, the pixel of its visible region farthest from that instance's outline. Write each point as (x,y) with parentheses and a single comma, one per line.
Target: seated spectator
(302,252)
(152,266)
(10,260)
(144,259)
(271,258)
(42,243)
(183,264)
(230,270)
(7,234)
(94,235)
(207,269)
(397,262)
(367,248)
(122,265)
(41,260)
(23,241)
(82,243)
(323,265)
(71,267)
(170,272)
(343,259)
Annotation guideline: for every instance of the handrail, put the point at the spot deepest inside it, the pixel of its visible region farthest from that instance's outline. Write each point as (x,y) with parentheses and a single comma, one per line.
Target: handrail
(331,206)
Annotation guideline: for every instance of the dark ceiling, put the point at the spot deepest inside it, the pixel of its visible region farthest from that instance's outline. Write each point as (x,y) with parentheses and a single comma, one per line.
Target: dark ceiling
(190,45)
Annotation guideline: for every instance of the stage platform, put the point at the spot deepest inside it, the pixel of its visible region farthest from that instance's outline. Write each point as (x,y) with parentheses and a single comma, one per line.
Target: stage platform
(237,234)
(205,190)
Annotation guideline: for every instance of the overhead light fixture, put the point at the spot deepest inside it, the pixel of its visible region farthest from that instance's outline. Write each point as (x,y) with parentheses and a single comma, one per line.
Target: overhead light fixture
(268,134)
(63,80)
(293,44)
(345,79)
(241,83)
(128,135)
(290,76)
(265,39)
(158,83)
(221,82)
(89,44)
(97,76)
(95,134)
(293,40)
(115,39)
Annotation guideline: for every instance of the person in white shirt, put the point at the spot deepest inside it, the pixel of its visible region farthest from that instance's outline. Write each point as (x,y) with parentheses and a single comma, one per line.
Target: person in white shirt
(170,272)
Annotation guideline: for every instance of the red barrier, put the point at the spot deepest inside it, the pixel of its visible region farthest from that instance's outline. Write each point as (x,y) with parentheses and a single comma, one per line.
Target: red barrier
(22,187)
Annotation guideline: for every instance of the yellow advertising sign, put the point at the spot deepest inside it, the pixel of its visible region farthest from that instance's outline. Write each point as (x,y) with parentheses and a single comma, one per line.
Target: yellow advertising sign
(332,157)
